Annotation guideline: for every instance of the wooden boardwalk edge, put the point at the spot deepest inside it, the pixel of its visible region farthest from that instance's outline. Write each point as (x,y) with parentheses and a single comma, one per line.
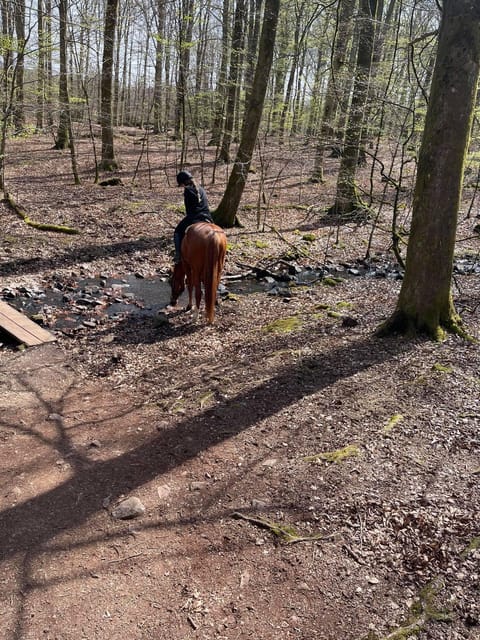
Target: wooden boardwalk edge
(21,327)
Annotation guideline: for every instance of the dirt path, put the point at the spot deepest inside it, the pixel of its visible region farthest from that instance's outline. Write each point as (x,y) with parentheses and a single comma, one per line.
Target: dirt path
(299,478)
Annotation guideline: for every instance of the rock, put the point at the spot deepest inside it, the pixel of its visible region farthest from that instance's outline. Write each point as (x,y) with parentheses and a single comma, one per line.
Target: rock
(85,302)
(129,508)
(269,462)
(164,491)
(348,321)
(111,182)
(198,486)
(55,417)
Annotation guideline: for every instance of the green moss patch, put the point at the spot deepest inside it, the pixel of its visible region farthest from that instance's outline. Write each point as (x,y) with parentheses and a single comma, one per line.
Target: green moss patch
(338,455)
(284,325)
(441,368)
(394,420)
(331,281)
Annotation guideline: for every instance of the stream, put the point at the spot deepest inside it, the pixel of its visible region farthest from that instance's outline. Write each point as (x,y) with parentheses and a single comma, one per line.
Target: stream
(69,304)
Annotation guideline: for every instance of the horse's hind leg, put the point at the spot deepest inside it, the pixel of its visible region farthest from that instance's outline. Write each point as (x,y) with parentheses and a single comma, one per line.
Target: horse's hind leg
(190,288)
(198,294)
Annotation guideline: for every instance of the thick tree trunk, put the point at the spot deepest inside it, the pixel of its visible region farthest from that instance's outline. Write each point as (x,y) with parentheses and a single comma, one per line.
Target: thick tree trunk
(226,212)
(425,302)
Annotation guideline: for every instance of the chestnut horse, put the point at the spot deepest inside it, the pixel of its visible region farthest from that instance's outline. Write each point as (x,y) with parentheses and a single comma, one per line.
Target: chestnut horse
(203,255)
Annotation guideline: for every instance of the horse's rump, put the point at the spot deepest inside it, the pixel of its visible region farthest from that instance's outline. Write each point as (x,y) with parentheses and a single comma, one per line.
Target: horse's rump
(203,255)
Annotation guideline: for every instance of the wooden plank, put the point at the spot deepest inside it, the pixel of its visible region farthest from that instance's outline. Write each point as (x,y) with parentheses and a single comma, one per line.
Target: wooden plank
(21,327)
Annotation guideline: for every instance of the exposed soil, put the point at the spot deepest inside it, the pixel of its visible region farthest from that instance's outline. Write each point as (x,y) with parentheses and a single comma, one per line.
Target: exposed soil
(247,532)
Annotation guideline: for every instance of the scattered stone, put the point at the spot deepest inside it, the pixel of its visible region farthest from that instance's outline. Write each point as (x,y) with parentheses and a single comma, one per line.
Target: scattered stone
(259,504)
(129,508)
(198,486)
(85,302)
(164,491)
(349,321)
(111,182)
(269,462)
(55,417)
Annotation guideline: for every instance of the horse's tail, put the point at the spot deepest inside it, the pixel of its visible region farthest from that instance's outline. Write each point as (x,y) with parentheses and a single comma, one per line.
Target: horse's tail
(213,271)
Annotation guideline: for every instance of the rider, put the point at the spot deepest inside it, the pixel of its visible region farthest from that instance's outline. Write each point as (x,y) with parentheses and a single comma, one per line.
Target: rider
(196,209)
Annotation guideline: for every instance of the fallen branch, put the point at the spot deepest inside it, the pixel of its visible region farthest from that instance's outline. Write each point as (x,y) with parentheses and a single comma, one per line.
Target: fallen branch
(285,532)
(37,225)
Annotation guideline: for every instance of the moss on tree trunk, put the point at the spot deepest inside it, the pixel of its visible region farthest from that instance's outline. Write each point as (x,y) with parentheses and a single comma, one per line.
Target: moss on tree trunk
(425,302)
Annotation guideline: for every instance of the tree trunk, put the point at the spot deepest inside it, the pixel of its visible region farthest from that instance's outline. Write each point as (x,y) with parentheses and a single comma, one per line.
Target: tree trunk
(255,8)
(222,77)
(108,161)
(347,200)
(291,74)
(237,42)
(40,67)
(19,112)
(226,212)
(185,39)
(425,303)
(340,46)
(280,72)
(49,64)
(62,141)
(159,47)
(7,32)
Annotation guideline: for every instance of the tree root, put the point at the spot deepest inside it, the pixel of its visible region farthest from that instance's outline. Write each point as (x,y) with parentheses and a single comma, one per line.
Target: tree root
(38,225)
(286,533)
(422,612)
(402,323)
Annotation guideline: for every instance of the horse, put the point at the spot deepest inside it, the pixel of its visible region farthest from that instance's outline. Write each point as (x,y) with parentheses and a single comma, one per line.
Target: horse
(202,258)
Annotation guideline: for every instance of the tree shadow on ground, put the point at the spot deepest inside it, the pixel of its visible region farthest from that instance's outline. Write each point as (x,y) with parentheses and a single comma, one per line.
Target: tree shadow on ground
(38,520)
(29,529)
(90,253)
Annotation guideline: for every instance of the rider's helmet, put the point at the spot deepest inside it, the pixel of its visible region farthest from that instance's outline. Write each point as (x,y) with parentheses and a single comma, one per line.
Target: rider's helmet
(183,177)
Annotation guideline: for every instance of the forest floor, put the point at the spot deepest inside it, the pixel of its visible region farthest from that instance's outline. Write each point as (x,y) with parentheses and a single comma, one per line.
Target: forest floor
(300,478)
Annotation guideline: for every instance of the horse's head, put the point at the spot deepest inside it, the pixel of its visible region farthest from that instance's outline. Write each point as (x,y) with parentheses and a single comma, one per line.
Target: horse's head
(177,283)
